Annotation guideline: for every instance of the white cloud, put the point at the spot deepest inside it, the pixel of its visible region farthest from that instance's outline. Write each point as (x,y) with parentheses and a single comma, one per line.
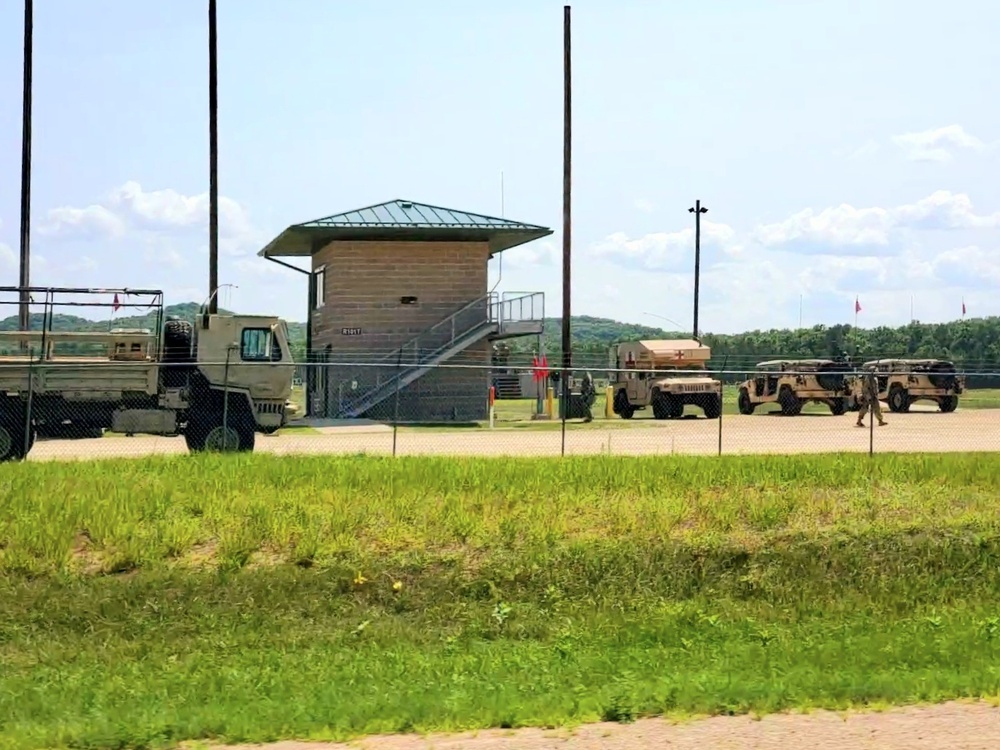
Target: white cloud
(863,231)
(665,250)
(644,205)
(7,256)
(537,253)
(937,144)
(826,255)
(130,210)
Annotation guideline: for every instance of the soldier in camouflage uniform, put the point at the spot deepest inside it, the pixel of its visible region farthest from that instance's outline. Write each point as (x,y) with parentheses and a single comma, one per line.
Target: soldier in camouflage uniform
(869,399)
(589,394)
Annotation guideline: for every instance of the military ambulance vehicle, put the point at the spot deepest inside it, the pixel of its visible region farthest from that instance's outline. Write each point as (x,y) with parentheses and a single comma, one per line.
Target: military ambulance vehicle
(666,375)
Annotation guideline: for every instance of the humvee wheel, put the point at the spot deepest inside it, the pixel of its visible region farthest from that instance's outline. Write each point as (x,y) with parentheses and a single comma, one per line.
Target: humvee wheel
(744,403)
(661,409)
(622,407)
(791,405)
(712,406)
(837,406)
(948,404)
(899,399)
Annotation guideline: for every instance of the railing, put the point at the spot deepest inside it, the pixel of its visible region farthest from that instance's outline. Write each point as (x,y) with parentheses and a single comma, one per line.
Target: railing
(526,307)
(419,350)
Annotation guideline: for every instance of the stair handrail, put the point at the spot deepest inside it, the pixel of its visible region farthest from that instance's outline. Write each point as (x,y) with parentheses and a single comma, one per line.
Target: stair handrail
(397,354)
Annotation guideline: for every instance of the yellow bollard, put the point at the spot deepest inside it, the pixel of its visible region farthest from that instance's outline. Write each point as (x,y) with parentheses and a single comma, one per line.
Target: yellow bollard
(609,402)
(550,395)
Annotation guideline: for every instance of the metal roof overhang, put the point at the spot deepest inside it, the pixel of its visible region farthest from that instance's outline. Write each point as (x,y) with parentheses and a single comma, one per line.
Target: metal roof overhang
(298,241)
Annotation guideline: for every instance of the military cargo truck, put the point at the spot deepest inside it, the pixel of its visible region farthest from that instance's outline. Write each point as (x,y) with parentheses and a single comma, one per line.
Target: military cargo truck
(666,375)
(216,381)
(903,381)
(792,383)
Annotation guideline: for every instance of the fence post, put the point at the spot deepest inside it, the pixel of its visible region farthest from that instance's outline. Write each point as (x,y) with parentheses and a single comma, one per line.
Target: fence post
(871,433)
(31,390)
(721,411)
(225,403)
(395,409)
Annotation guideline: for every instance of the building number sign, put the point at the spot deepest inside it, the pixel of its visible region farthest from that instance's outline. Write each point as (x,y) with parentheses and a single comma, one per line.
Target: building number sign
(350,331)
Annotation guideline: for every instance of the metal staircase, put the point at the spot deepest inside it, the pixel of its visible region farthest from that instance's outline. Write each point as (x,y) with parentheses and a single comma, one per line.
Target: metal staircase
(487,317)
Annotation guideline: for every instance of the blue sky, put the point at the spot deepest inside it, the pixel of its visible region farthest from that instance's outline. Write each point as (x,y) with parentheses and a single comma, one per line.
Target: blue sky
(841,148)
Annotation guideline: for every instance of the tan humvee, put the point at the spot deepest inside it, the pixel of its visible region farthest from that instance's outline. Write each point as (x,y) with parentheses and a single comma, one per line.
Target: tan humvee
(903,381)
(665,374)
(217,381)
(792,383)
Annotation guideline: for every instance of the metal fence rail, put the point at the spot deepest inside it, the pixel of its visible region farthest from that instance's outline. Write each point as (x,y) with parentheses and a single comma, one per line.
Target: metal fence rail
(67,410)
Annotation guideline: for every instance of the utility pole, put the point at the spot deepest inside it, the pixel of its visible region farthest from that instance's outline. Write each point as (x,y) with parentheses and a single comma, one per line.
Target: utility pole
(698,210)
(24,280)
(213,161)
(567,358)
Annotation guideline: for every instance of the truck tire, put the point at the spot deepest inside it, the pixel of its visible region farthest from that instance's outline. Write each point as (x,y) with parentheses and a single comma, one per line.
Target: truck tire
(12,442)
(210,436)
(948,404)
(791,405)
(837,407)
(831,375)
(712,406)
(744,403)
(943,375)
(205,430)
(178,336)
(899,399)
(661,409)
(622,407)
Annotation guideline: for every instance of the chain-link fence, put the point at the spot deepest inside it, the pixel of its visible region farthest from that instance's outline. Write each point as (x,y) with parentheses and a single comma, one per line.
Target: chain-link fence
(99,409)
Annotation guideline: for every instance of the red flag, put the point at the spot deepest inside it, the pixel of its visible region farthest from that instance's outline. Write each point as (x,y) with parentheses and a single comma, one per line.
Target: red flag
(535,369)
(963,307)
(857,305)
(545,367)
(115,305)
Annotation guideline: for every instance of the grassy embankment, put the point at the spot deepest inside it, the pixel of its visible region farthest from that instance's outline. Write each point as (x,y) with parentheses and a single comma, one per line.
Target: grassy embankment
(254,598)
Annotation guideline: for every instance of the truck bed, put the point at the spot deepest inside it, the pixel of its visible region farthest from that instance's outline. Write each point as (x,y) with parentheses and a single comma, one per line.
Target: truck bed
(85,378)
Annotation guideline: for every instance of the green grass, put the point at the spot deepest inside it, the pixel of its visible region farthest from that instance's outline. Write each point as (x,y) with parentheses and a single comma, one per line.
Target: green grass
(516,413)
(252,598)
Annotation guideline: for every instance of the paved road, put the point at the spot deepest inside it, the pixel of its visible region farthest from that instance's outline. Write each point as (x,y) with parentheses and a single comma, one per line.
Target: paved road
(968,431)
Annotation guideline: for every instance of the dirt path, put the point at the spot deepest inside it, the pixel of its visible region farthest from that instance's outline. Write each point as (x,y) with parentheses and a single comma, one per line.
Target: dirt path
(951,726)
(967,431)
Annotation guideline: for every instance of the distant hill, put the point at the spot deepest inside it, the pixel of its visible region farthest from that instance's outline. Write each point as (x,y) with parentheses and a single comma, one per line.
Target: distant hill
(185,311)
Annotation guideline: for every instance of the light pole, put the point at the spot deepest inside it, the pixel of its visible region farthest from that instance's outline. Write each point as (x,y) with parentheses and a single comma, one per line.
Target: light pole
(698,210)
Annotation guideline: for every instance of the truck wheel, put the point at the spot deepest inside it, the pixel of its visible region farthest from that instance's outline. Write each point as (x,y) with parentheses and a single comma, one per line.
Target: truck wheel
(622,407)
(948,404)
(837,406)
(209,435)
(744,403)
(12,445)
(659,404)
(899,399)
(712,406)
(791,405)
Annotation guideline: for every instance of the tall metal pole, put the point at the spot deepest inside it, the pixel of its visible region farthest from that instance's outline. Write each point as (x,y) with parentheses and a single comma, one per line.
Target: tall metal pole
(24,311)
(213,161)
(567,357)
(698,210)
